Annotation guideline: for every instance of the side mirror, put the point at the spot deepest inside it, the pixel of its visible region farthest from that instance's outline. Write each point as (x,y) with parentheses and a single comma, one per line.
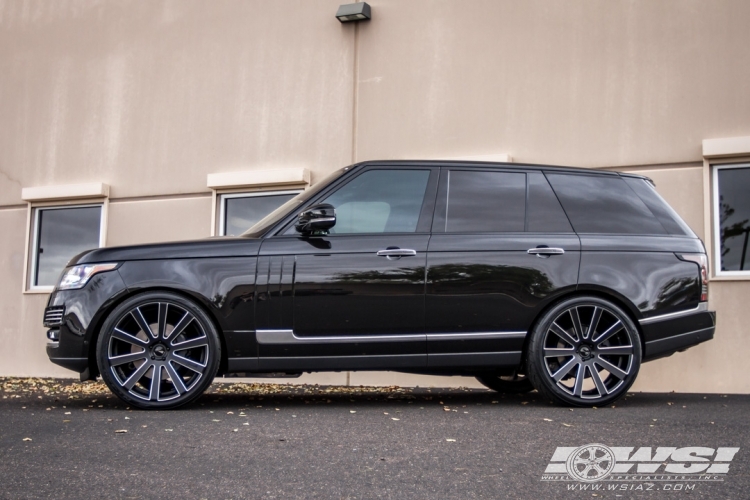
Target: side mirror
(316,218)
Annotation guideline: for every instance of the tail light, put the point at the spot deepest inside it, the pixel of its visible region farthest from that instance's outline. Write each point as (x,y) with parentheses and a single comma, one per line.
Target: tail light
(702,260)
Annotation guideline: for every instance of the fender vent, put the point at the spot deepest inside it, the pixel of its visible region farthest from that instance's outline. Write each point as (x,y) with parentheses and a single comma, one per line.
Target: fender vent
(53,316)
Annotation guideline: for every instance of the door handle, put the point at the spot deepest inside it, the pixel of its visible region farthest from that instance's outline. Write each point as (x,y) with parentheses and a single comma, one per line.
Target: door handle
(396,253)
(545,251)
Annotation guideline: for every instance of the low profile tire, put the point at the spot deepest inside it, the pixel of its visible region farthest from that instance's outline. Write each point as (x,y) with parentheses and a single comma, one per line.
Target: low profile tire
(585,351)
(517,383)
(158,350)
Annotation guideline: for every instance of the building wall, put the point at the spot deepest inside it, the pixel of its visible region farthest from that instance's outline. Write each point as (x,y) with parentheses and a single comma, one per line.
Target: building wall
(150,97)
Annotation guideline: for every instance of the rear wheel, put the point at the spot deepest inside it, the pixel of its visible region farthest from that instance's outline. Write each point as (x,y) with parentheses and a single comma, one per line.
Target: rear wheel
(158,350)
(515,383)
(585,351)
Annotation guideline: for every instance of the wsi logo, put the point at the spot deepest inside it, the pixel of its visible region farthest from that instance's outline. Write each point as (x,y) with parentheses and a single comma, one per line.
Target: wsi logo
(597,462)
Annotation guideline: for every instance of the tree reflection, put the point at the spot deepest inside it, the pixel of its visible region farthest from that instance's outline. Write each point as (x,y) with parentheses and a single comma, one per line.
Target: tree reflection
(678,291)
(731,230)
(463,278)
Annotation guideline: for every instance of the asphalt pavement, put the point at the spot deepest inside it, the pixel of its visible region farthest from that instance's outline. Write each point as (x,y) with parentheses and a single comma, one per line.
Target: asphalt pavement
(67,440)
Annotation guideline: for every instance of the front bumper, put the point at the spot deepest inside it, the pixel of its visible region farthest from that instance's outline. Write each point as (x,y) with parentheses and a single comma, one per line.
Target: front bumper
(677,333)
(84,310)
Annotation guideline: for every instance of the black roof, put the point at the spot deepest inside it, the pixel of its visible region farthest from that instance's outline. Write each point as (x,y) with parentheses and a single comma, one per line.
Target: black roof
(467,163)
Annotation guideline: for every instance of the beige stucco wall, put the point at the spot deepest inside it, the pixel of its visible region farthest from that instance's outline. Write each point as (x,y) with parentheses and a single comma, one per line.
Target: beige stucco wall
(150,97)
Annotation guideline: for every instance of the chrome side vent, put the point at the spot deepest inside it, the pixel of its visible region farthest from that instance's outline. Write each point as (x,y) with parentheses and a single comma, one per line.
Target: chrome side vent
(53,316)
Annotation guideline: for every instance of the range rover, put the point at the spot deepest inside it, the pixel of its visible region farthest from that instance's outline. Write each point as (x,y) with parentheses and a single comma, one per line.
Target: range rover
(526,277)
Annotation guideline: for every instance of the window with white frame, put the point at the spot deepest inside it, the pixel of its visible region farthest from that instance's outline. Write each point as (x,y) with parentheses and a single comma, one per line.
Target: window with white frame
(239,211)
(58,234)
(731,185)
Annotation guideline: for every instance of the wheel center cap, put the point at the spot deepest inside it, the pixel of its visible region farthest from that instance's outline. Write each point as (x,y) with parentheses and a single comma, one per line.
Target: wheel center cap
(585,352)
(159,351)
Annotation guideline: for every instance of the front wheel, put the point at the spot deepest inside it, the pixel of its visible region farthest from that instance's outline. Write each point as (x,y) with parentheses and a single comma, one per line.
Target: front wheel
(585,351)
(158,350)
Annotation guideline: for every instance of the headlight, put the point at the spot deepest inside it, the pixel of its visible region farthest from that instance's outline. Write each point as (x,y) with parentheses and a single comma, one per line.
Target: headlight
(77,276)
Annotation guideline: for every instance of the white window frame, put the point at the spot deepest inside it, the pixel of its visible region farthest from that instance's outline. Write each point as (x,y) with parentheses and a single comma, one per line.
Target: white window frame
(220,197)
(33,239)
(715,167)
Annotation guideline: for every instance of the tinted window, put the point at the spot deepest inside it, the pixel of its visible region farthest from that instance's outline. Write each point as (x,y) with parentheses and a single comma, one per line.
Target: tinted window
(380,201)
(61,234)
(661,210)
(240,213)
(734,218)
(603,204)
(545,215)
(485,201)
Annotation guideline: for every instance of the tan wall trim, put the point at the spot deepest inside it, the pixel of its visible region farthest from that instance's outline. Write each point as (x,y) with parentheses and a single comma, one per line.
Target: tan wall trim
(730,146)
(251,178)
(65,191)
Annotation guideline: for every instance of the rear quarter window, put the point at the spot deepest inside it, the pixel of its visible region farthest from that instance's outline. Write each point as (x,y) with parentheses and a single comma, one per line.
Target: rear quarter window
(660,208)
(603,204)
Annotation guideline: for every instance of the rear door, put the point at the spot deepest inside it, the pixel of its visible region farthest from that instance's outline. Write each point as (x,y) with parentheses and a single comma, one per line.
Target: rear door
(501,249)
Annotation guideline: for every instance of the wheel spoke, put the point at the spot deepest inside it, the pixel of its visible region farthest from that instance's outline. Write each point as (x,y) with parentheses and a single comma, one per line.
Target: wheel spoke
(600,387)
(594,322)
(560,374)
(190,344)
(136,375)
(188,363)
(180,326)
(580,375)
(580,333)
(142,323)
(177,382)
(620,350)
(610,331)
(126,337)
(127,358)
(565,336)
(153,393)
(162,321)
(617,372)
(554,352)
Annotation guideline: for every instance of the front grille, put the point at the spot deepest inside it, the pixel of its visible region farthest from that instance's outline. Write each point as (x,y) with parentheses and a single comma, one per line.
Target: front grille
(53,316)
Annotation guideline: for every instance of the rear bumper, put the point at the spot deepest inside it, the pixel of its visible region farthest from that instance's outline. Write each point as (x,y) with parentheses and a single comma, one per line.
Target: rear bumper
(670,335)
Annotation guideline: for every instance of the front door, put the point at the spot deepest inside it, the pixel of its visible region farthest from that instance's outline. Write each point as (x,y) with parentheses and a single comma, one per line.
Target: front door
(355,297)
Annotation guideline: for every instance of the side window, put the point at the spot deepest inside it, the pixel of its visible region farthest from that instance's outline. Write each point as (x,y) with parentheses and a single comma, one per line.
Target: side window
(239,211)
(732,219)
(660,208)
(545,215)
(485,201)
(380,201)
(60,233)
(603,204)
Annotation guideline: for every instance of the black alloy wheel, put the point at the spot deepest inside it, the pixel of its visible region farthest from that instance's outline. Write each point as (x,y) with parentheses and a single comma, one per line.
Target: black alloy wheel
(585,351)
(515,383)
(158,350)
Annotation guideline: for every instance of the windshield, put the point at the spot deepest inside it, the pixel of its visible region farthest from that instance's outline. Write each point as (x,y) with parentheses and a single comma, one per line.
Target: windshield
(274,217)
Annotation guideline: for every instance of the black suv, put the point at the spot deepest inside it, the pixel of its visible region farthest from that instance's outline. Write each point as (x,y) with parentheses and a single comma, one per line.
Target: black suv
(524,276)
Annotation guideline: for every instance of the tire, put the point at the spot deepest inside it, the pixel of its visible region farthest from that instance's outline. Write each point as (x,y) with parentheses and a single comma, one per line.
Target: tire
(517,383)
(585,351)
(158,350)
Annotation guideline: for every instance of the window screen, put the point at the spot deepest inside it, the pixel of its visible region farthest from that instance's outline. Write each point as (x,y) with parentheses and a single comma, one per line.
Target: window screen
(485,201)
(603,204)
(61,234)
(241,212)
(734,218)
(380,201)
